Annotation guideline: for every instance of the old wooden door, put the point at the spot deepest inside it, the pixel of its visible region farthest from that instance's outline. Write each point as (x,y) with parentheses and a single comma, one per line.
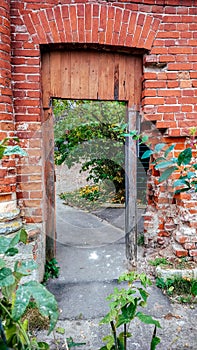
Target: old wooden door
(91,75)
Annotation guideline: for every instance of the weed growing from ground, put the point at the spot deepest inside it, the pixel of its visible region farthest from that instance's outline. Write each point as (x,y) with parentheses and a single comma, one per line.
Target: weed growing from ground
(182,289)
(124,305)
(51,270)
(159,261)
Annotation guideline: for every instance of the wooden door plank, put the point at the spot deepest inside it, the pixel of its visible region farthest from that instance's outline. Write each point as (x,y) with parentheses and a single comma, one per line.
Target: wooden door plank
(116,77)
(65,74)
(110,74)
(122,78)
(93,76)
(75,75)
(55,73)
(84,75)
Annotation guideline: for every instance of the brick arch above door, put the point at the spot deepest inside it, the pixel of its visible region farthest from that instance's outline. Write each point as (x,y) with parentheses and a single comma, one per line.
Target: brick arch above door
(101,24)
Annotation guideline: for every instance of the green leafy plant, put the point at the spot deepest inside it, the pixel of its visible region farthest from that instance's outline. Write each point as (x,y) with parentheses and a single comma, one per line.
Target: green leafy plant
(140,239)
(9,146)
(124,308)
(183,288)
(16,296)
(72,344)
(159,261)
(52,270)
(184,165)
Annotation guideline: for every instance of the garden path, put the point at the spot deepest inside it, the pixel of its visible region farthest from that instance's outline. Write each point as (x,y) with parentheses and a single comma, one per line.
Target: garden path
(91,255)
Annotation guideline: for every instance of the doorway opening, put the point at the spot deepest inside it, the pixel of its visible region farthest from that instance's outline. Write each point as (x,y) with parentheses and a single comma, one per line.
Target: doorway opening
(90,156)
(89,138)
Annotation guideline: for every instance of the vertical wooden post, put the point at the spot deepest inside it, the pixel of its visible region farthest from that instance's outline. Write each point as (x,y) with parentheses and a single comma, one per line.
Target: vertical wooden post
(49,175)
(131,191)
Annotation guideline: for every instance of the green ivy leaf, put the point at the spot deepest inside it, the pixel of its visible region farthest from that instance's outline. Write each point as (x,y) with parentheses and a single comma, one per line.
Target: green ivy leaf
(179,182)
(147,154)
(6,277)
(147,319)
(165,164)
(166,174)
(185,156)
(10,150)
(168,150)
(159,147)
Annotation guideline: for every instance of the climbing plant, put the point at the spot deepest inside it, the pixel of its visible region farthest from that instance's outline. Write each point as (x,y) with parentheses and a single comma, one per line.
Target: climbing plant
(184,165)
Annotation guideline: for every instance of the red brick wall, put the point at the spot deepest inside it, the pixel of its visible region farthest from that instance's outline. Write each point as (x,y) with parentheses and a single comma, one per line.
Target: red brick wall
(7,170)
(167,32)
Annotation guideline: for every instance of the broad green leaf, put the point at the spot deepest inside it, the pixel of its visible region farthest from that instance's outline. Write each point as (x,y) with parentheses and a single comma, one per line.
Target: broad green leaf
(2,263)
(4,244)
(23,235)
(21,302)
(144,294)
(6,277)
(109,339)
(155,341)
(10,150)
(144,138)
(147,154)
(166,174)
(44,300)
(185,156)
(25,267)
(159,147)
(11,251)
(165,164)
(106,319)
(168,150)
(147,319)
(14,240)
(179,182)
(194,166)
(145,280)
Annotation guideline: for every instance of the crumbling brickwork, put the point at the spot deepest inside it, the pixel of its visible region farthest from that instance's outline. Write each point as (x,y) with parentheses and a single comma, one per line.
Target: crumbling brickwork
(164,32)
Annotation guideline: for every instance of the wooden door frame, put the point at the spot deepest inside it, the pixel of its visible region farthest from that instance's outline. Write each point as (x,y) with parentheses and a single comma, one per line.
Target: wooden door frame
(133,104)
